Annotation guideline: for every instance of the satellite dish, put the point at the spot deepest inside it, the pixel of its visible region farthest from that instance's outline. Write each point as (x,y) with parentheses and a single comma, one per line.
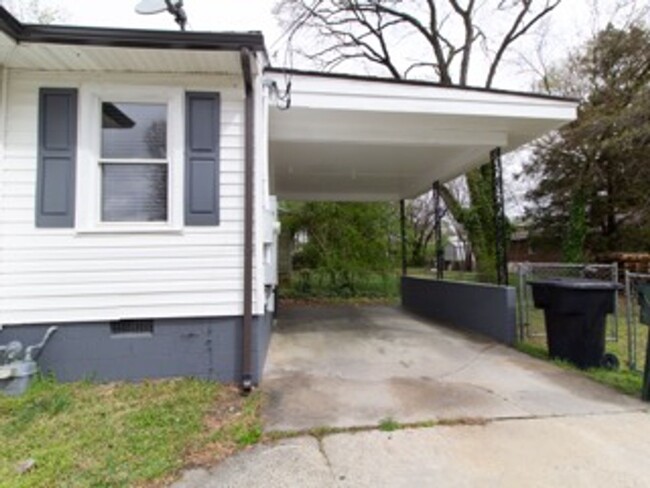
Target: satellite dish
(174,7)
(150,7)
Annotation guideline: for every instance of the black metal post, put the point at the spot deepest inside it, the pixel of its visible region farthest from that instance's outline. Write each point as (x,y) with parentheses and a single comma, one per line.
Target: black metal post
(440,252)
(500,223)
(402,223)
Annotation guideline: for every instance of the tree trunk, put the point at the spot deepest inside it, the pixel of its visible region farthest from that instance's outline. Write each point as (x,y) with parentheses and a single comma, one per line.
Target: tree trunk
(477,219)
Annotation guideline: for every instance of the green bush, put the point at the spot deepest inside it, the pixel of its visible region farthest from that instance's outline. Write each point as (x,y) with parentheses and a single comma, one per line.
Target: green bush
(309,283)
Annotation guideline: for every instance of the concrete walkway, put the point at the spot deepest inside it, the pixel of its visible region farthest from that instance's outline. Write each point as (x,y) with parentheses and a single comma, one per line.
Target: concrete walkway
(608,451)
(516,421)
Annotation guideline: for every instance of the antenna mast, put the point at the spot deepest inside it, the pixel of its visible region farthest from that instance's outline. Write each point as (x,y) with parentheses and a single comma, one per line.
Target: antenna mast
(177,10)
(174,7)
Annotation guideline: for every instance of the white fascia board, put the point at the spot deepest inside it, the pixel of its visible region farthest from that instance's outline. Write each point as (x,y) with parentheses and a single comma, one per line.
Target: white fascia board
(345,94)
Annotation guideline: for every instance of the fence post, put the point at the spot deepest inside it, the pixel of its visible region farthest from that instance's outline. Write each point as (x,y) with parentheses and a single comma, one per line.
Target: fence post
(631,337)
(524,290)
(522,302)
(616,304)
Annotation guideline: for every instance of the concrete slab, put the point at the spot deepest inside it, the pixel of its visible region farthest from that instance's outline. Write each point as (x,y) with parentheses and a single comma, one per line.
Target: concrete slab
(348,366)
(595,451)
(294,462)
(608,450)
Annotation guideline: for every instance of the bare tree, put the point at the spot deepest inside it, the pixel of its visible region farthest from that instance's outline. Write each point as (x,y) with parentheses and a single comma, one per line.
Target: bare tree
(421,216)
(546,51)
(34,11)
(442,34)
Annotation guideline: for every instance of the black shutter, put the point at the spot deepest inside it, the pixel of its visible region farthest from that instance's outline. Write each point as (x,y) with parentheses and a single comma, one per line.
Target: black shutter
(57,155)
(202,158)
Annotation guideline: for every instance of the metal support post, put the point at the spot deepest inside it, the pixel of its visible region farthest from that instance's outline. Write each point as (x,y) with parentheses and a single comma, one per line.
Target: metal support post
(402,222)
(500,223)
(440,252)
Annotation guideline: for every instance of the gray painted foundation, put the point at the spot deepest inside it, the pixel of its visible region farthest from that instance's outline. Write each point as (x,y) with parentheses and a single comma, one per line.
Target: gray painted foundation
(208,348)
(486,309)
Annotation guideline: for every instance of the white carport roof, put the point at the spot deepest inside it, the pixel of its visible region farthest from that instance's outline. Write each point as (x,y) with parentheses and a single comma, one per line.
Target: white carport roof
(348,138)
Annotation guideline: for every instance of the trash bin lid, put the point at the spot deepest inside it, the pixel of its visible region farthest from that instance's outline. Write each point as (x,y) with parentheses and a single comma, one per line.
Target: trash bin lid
(578,284)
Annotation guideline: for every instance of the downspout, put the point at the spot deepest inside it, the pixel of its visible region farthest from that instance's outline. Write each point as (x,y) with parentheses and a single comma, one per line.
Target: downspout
(249,174)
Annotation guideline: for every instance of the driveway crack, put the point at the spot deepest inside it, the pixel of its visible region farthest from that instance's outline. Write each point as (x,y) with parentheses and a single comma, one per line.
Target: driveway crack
(321,448)
(468,364)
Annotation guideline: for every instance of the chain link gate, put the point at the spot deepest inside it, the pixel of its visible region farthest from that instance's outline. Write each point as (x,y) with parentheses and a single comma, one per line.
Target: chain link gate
(530,319)
(637,334)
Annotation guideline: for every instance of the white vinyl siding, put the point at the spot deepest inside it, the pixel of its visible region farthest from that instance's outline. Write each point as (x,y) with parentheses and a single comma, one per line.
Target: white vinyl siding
(63,275)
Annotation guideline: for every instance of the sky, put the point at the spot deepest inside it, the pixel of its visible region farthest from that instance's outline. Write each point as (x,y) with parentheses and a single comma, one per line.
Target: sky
(572,23)
(204,15)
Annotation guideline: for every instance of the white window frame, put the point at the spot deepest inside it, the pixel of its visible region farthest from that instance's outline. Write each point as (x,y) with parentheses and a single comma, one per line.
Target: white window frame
(89,160)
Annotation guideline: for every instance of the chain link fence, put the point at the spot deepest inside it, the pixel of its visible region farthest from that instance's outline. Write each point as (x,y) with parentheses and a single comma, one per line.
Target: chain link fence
(531,320)
(637,333)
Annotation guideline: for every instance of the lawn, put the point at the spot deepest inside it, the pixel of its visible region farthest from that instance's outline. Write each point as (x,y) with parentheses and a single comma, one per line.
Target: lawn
(84,434)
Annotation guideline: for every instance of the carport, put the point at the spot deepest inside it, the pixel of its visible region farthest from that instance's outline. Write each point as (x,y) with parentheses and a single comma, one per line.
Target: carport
(349,138)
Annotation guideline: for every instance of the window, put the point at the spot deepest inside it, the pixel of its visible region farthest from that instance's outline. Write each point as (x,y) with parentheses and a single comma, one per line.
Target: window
(130,159)
(134,165)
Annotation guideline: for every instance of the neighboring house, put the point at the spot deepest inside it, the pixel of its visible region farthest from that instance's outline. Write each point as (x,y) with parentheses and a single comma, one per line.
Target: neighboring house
(523,247)
(456,254)
(139,172)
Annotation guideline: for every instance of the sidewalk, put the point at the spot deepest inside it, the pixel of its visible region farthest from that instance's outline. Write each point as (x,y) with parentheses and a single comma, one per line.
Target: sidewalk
(609,451)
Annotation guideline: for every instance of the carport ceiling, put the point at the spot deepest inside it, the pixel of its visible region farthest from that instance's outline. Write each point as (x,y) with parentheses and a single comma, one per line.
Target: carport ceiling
(357,139)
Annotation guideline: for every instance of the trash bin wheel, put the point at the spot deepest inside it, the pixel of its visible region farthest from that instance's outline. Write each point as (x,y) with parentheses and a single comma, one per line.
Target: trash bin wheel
(610,361)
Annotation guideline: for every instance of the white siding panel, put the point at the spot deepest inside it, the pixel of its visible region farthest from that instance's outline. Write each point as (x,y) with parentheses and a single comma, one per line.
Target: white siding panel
(62,275)
(183,308)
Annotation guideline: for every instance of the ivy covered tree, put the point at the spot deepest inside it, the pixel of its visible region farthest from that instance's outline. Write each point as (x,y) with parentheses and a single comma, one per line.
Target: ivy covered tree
(592,178)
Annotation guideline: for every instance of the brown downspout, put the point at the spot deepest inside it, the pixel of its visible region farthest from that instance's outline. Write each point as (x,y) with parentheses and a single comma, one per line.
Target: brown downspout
(249,172)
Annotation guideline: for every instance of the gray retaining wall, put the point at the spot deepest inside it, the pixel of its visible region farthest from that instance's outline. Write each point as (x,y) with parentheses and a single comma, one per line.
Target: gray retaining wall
(208,348)
(486,309)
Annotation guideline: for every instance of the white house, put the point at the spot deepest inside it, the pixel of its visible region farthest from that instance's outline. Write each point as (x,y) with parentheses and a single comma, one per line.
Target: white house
(139,172)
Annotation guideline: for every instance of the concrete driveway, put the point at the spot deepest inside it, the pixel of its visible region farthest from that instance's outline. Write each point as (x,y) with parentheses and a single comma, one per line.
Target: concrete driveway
(354,366)
(513,421)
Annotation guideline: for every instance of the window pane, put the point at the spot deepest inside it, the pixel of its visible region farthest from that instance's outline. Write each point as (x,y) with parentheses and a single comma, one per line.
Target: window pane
(134,130)
(134,192)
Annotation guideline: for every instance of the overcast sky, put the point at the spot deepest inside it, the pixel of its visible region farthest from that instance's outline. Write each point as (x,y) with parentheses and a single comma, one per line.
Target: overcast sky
(214,15)
(572,23)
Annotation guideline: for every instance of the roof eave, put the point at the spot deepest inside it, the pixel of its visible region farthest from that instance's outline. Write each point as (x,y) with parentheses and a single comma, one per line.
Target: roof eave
(135,38)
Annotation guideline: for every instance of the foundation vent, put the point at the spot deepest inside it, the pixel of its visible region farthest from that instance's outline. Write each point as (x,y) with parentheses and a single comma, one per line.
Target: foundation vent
(132,328)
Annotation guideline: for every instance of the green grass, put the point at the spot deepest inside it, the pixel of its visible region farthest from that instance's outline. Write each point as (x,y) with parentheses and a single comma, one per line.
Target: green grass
(83,435)
(319,285)
(623,380)
(388,425)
